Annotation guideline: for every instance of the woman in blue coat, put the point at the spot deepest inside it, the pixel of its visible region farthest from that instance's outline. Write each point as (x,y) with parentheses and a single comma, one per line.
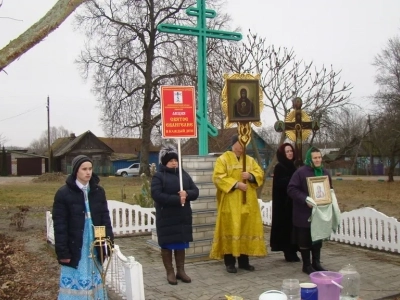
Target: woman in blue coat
(173,212)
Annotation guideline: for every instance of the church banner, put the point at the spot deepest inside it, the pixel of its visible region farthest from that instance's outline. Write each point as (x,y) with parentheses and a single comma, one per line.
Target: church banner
(178,112)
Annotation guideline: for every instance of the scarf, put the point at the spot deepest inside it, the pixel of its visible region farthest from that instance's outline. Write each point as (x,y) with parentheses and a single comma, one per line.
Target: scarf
(317,170)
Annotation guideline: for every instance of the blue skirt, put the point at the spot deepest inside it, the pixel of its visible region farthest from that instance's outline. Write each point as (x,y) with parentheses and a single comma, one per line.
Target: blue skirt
(85,282)
(175,246)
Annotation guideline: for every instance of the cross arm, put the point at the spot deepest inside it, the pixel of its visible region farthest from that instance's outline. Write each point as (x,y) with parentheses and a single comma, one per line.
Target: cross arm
(194,31)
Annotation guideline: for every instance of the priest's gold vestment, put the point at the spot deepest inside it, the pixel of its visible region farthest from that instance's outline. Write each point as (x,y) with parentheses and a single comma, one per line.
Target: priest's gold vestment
(239,228)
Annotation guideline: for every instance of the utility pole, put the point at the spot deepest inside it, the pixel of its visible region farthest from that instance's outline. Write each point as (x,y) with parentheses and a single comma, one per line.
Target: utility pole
(48,134)
(371,158)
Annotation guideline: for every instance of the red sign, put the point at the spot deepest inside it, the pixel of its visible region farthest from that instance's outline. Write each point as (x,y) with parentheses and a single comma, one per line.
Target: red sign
(178,112)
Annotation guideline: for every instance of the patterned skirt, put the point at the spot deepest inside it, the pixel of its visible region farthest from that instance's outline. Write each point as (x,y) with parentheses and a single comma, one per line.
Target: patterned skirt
(85,282)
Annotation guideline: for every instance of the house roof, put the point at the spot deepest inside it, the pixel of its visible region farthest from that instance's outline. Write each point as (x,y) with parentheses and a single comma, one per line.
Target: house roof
(218,144)
(126,145)
(23,153)
(65,145)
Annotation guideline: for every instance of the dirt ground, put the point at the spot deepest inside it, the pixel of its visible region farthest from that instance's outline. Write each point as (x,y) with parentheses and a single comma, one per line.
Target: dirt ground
(28,268)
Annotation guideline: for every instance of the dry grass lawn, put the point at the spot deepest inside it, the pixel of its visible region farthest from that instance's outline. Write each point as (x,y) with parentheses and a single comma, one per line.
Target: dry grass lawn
(351,194)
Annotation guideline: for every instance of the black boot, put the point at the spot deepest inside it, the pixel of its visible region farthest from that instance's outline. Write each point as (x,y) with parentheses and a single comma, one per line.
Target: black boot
(291,254)
(243,262)
(316,256)
(306,257)
(230,262)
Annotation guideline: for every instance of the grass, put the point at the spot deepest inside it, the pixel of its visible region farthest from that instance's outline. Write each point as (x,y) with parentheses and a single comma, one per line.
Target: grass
(351,194)
(41,194)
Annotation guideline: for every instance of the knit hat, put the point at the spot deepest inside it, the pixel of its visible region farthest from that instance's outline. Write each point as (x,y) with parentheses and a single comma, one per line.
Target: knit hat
(235,138)
(167,153)
(77,161)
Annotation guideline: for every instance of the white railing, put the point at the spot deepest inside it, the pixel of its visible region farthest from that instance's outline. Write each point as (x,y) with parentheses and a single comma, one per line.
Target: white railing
(369,228)
(266,212)
(50,228)
(128,219)
(125,276)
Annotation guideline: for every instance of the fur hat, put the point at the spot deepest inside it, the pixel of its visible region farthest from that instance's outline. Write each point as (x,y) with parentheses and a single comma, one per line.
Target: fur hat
(235,138)
(167,153)
(77,161)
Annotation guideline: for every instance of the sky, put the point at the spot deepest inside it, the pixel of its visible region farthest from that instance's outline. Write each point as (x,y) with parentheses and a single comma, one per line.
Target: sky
(344,33)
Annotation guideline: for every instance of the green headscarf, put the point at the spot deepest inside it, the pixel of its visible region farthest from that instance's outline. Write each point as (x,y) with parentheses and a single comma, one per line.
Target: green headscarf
(317,170)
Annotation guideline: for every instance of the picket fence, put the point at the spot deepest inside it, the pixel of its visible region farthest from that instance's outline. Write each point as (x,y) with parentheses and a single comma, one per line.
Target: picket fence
(364,227)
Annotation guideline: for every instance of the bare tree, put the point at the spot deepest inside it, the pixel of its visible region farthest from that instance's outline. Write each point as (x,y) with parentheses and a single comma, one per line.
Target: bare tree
(3,139)
(38,31)
(342,125)
(284,76)
(130,59)
(39,146)
(269,135)
(385,132)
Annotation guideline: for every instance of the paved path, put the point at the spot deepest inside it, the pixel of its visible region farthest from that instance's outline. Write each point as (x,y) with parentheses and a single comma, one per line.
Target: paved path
(380,273)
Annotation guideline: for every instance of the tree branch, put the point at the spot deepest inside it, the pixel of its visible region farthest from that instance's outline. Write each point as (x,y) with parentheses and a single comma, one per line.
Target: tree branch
(38,31)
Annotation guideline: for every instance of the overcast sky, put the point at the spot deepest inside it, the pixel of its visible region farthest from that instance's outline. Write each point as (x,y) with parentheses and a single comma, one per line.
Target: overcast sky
(345,33)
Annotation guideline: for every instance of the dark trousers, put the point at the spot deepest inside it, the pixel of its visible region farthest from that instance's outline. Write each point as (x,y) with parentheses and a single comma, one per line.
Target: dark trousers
(230,260)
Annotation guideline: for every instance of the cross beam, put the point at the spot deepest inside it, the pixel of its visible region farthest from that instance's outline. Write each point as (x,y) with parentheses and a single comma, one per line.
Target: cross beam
(202,33)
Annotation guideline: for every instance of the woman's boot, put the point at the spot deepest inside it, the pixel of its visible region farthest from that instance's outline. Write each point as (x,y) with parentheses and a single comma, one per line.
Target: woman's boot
(316,256)
(166,255)
(180,266)
(306,257)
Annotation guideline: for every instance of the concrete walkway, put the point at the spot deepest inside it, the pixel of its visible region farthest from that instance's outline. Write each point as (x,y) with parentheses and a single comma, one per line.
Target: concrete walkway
(380,273)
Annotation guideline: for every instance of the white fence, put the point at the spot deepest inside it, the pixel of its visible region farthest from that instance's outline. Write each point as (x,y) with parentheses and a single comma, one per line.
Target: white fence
(369,228)
(364,227)
(266,212)
(125,276)
(128,219)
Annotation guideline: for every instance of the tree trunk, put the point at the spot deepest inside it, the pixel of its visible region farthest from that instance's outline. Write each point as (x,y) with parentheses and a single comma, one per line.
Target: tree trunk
(392,165)
(38,31)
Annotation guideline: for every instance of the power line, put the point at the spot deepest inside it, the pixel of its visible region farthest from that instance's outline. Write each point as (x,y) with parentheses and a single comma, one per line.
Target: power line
(28,111)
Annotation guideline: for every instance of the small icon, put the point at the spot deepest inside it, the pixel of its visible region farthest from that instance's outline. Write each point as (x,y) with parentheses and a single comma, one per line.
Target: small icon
(178,97)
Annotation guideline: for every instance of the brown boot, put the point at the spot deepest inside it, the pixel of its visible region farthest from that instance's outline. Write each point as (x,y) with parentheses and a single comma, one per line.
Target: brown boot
(180,263)
(166,255)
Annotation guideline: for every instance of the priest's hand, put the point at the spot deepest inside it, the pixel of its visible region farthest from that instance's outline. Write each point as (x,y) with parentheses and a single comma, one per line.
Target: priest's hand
(246,175)
(65,260)
(242,186)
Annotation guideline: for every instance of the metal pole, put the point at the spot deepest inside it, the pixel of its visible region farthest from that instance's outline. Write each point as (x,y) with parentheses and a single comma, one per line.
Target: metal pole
(48,134)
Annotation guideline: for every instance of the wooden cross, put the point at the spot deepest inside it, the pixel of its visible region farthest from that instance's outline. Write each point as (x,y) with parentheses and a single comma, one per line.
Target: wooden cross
(202,33)
(298,121)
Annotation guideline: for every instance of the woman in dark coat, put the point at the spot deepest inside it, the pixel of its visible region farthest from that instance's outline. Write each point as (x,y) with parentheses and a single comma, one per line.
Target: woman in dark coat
(173,212)
(79,205)
(298,191)
(282,204)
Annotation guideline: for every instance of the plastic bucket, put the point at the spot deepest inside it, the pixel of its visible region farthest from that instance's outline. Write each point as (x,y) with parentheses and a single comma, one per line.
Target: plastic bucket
(309,291)
(273,295)
(327,283)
